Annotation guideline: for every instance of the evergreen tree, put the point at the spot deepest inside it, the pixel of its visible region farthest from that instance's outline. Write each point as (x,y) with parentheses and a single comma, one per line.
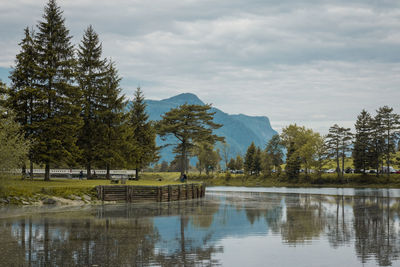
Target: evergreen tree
(257,161)
(249,159)
(142,136)
(293,162)
(57,104)
(362,142)
(23,92)
(333,141)
(232,164)
(378,143)
(190,125)
(91,75)
(239,163)
(390,125)
(266,163)
(112,122)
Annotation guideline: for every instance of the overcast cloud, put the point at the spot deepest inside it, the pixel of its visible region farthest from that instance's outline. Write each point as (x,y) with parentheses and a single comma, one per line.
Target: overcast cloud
(311,62)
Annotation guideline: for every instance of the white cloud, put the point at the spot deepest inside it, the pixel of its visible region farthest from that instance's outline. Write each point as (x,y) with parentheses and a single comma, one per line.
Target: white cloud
(311,61)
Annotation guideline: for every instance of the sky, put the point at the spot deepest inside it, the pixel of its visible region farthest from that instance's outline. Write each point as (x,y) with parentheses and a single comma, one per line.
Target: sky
(310,62)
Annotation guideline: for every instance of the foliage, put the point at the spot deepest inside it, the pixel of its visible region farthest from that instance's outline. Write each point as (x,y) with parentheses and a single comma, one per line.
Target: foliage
(141,143)
(57,99)
(112,128)
(190,125)
(249,159)
(274,153)
(91,76)
(338,142)
(13,145)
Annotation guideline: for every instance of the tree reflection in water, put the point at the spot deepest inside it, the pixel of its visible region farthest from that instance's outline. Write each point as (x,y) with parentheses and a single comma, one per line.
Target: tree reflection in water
(190,233)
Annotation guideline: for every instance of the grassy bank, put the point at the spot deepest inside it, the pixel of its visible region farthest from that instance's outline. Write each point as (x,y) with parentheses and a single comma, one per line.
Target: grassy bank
(326,180)
(13,186)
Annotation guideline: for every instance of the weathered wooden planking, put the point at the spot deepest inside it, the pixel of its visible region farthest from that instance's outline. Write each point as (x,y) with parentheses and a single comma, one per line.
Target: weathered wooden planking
(132,193)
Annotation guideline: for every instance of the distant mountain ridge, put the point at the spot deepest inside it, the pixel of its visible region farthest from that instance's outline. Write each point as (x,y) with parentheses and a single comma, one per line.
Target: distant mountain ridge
(239,130)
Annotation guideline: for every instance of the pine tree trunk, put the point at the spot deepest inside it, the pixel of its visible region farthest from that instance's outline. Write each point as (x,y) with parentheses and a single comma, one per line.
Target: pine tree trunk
(108,171)
(337,161)
(343,164)
(31,169)
(137,173)
(23,171)
(183,159)
(388,154)
(47,172)
(88,171)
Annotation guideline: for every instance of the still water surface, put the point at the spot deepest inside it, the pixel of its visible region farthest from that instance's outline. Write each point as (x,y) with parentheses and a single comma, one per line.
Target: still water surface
(229,227)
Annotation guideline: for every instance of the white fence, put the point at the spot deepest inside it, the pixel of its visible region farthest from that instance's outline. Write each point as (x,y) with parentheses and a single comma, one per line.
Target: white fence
(77,171)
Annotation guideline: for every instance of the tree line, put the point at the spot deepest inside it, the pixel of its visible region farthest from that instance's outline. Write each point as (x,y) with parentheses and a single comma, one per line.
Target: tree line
(372,145)
(67,106)
(68,103)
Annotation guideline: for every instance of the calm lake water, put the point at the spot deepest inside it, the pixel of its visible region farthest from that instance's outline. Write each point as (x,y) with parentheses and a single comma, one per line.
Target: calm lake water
(229,227)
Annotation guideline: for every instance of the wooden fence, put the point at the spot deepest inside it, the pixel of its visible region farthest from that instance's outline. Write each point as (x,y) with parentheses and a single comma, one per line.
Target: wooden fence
(134,193)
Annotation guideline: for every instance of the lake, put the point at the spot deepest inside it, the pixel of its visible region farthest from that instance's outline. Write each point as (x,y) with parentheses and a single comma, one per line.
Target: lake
(231,226)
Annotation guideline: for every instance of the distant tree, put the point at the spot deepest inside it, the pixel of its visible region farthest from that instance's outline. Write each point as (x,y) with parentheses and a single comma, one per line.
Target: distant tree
(292,140)
(164,166)
(57,104)
(208,158)
(113,122)
(189,124)
(266,163)
(239,163)
(321,154)
(378,143)
(257,161)
(23,92)
(232,164)
(91,76)
(142,135)
(225,153)
(362,142)
(274,151)
(390,125)
(338,142)
(249,158)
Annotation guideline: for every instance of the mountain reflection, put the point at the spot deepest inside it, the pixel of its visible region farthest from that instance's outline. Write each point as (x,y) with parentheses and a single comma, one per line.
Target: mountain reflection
(192,233)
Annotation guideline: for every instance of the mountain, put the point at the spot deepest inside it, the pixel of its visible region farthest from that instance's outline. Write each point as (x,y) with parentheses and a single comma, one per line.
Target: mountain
(239,130)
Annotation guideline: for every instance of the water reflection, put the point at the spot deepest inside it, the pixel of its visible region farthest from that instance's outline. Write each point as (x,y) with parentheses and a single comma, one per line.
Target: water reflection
(363,229)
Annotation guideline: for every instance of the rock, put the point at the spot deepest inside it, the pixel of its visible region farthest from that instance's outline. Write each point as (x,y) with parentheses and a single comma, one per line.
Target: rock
(25,203)
(49,201)
(86,198)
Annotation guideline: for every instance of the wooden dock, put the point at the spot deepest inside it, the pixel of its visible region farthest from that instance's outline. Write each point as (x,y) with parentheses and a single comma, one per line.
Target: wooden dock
(140,193)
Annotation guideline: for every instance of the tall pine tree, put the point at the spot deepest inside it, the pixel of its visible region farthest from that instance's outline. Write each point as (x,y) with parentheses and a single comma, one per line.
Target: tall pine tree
(142,135)
(362,142)
(58,106)
(23,92)
(91,75)
(112,122)
(190,124)
(249,159)
(390,125)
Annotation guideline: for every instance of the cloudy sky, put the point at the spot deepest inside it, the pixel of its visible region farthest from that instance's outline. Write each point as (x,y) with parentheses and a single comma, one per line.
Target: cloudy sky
(312,62)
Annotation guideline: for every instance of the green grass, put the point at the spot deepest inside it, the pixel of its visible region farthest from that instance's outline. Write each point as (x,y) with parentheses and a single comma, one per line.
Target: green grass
(14,186)
(326,180)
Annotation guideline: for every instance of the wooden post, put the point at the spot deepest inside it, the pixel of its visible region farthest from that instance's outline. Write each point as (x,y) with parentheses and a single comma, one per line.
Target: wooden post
(179,192)
(169,193)
(192,191)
